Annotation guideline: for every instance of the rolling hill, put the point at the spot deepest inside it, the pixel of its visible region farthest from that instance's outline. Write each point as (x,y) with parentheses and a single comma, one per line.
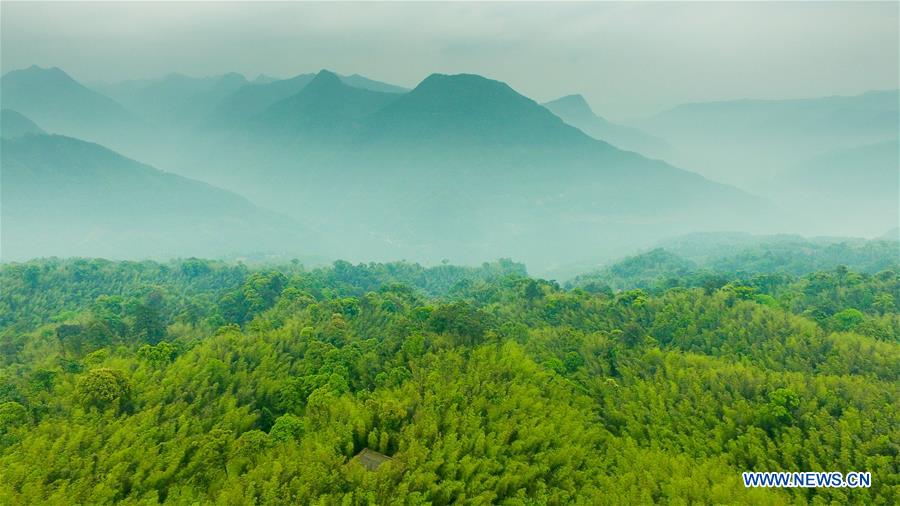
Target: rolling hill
(64,196)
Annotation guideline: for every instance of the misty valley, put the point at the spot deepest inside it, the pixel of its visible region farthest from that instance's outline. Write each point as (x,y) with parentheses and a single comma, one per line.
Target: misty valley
(319,287)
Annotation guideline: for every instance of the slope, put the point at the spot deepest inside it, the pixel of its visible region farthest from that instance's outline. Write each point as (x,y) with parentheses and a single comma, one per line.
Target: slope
(574,110)
(64,196)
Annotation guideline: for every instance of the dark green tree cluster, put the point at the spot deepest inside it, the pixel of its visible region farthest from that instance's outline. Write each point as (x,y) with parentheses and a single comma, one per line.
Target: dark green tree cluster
(197,382)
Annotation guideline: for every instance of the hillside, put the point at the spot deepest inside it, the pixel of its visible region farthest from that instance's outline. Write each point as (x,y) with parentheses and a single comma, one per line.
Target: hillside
(63,196)
(176,100)
(574,110)
(60,104)
(198,382)
(325,109)
(14,124)
(254,99)
(701,258)
(460,167)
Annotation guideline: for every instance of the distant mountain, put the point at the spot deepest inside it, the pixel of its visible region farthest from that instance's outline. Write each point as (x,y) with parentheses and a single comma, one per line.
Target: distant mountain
(574,110)
(749,142)
(867,171)
(471,109)
(265,79)
(175,100)
(255,98)
(61,104)
(63,196)
(857,189)
(358,81)
(14,124)
(323,109)
(461,167)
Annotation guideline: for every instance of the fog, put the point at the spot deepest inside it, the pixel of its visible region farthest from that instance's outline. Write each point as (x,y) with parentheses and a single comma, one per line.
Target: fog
(378,132)
(627,59)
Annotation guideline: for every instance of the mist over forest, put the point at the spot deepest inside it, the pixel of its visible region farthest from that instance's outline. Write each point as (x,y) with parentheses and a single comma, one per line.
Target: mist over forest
(460,167)
(449,253)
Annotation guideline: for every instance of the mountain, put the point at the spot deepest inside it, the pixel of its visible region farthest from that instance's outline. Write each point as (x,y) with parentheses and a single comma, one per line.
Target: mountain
(867,171)
(175,100)
(574,110)
(14,124)
(460,167)
(326,107)
(265,79)
(61,104)
(358,81)
(856,189)
(467,108)
(750,142)
(63,196)
(255,98)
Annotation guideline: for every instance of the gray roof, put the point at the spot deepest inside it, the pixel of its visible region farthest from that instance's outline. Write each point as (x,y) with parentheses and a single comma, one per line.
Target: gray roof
(370,459)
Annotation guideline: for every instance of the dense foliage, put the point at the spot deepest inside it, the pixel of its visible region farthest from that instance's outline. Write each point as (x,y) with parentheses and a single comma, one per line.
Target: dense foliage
(201,382)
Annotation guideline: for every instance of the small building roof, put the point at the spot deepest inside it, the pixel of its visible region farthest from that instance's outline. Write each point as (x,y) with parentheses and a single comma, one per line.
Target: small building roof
(370,459)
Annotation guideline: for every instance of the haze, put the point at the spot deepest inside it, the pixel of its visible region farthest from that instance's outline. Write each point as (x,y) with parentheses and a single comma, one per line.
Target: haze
(627,59)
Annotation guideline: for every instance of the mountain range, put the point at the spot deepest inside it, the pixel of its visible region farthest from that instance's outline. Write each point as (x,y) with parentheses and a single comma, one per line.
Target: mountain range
(64,196)
(61,104)
(461,166)
(752,142)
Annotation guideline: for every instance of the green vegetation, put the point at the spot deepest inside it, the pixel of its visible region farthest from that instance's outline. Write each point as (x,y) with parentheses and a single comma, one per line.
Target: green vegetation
(201,382)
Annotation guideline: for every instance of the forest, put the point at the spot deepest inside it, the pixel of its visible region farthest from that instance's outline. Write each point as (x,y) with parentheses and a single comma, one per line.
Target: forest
(204,382)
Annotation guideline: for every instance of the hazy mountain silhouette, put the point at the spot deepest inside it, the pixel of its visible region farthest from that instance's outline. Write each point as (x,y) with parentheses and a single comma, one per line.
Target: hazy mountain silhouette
(461,166)
(868,171)
(255,98)
(468,108)
(64,196)
(14,124)
(574,110)
(265,79)
(323,109)
(61,104)
(752,141)
(358,81)
(175,100)
(857,189)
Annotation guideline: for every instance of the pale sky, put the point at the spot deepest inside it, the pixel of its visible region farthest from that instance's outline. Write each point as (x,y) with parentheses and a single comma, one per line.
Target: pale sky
(627,59)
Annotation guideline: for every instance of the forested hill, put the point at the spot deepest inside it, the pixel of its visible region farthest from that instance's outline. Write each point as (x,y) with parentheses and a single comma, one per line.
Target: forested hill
(697,259)
(65,196)
(201,382)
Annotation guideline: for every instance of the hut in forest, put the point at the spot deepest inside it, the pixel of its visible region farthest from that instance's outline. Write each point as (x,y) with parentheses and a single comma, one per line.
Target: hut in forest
(370,459)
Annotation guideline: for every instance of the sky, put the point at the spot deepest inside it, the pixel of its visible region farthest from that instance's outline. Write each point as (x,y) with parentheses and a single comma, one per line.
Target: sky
(628,59)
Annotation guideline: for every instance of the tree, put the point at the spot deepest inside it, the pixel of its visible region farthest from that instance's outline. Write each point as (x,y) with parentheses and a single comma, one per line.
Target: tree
(104,388)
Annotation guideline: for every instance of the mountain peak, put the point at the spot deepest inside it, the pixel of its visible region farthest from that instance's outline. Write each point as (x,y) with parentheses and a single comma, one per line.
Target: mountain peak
(326,76)
(570,102)
(469,108)
(49,74)
(470,83)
